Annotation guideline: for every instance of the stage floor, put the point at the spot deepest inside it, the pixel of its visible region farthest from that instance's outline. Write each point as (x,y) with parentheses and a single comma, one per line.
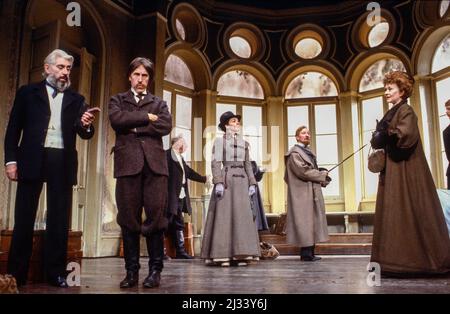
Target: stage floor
(285,275)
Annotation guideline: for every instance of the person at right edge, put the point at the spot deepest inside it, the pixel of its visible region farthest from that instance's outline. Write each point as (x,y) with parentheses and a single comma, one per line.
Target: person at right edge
(410,235)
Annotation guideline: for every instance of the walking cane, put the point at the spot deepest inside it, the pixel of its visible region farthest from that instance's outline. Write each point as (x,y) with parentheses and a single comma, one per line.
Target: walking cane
(346,158)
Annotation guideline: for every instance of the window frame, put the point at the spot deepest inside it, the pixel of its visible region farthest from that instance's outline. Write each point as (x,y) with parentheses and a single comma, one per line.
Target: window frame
(239,102)
(366,95)
(435,78)
(311,102)
(175,90)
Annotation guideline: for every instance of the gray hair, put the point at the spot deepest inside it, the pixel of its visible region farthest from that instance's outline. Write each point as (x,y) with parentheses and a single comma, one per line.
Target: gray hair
(176,139)
(55,54)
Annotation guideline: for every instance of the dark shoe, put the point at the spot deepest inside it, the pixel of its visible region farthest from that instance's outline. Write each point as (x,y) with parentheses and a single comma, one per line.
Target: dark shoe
(179,245)
(183,255)
(59,282)
(131,250)
(155,248)
(152,280)
(130,280)
(310,258)
(167,257)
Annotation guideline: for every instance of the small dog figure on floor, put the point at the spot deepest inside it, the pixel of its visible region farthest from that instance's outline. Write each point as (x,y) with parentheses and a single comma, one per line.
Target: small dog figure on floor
(8,284)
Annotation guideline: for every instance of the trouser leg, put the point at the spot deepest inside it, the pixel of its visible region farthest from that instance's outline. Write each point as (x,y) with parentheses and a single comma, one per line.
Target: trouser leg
(131,250)
(27,199)
(155,204)
(59,203)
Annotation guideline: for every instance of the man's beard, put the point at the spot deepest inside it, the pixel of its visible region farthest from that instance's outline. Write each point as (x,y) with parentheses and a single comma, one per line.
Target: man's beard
(59,85)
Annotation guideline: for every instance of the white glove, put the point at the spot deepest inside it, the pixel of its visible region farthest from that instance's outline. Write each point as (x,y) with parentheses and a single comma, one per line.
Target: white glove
(219,190)
(208,183)
(251,190)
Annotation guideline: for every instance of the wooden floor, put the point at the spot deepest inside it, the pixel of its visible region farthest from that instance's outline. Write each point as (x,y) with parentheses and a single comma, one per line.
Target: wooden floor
(285,275)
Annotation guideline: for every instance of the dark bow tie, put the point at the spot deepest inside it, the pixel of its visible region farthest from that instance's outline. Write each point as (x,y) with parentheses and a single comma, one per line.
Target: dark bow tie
(55,90)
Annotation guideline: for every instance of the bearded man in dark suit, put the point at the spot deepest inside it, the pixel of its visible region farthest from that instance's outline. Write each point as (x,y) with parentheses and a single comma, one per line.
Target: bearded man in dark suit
(40,146)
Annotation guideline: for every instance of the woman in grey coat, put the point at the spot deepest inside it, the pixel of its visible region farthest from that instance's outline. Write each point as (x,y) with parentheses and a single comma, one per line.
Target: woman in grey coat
(230,234)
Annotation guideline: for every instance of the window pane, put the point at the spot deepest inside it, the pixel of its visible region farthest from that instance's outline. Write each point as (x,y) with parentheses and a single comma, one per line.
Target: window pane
(252,120)
(373,77)
(167,97)
(372,109)
(332,189)
(255,148)
(184,112)
(180,29)
(297,116)
(441,57)
(357,157)
(426,132)
(325,117)
(370,181)
(308,48)
(311,84)
(240,47)
(326,148)
(221,108)
(291,141)
(443,94)
(176,71)
(378,34)
(443,7)
(239,84)
(370,178)
(166,142)
(187,136)
(444,164)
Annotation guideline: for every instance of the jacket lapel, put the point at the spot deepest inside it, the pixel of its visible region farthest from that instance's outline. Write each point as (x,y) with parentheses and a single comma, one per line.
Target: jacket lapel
(175,159)
(67,99)
(304,155)
(129,98)
(41,92)
(147,100)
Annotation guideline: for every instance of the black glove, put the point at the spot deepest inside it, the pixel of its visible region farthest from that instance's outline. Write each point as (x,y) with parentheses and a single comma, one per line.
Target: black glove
(382,125)
(328,178)
(379,139)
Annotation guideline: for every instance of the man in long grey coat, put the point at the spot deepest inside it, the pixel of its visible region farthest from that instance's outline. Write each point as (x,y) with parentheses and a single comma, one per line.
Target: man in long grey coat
(306,222)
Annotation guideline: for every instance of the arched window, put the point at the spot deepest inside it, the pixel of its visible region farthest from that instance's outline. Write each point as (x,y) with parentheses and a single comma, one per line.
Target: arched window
(308,48)
(441,58)
(180,29)
(372,106)
(311,84)
(241,47)
(311,101)
(378,34)
(241,93)
(374,75)
(239,84)
(176,71)
(178,92)
(441,78)
(443,7)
